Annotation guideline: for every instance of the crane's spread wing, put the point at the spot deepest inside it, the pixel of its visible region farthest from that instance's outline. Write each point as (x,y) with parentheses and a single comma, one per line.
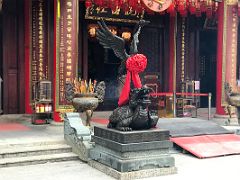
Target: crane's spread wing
(111,41)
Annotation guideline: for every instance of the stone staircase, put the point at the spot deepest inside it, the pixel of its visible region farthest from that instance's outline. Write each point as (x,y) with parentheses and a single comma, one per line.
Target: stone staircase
(35,152)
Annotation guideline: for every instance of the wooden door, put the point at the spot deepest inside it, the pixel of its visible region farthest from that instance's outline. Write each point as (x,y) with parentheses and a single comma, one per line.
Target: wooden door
(13,56)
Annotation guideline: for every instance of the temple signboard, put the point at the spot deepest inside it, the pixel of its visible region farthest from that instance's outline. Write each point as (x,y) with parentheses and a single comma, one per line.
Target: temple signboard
(118,15)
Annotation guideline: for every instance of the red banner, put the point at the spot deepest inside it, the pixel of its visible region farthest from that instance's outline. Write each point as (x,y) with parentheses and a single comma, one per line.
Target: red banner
(39,36)
(66,57)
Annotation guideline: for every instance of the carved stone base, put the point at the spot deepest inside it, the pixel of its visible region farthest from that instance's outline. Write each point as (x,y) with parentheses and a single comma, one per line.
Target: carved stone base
(142,150)
(232,122)
(133,174)
(77,135)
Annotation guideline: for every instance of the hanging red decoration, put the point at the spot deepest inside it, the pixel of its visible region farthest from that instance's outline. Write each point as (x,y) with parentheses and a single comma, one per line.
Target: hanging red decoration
(105,3)
(139,8)
(203,5)
(120,3)
(88,3)
(132,3)
(192,6)
(171,10)
(125,6)
(196,7)
(113,5)
(182,7)
(135,64)
(99,3)
(209,8)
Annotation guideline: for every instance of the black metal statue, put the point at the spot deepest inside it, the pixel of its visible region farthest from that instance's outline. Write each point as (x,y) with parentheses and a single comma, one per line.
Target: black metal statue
(133,112)
(135,115)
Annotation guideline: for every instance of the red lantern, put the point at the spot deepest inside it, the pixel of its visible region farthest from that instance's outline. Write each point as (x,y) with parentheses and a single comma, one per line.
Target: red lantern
(198,10)
(181,5)
(203,5)
(113,5)
(209,9)
(125,7)
(192,6)
(105,3)
(132,3)
(171,10)
(99,3)
(139,8)
(120,3)
(88,3)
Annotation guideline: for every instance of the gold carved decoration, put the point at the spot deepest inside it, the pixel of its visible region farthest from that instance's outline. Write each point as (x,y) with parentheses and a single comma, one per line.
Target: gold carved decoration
(232,2)
(232,50)
(224,55)
(183,52)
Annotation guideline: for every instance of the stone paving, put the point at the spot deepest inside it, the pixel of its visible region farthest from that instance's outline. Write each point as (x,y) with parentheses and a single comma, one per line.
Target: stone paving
(189,167)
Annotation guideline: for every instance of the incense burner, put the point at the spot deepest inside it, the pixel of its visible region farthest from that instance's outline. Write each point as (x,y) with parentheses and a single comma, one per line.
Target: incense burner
(233,99)
(85,103)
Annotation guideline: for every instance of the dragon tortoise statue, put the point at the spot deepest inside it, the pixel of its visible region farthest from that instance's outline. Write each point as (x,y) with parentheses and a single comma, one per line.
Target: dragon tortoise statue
(135,115)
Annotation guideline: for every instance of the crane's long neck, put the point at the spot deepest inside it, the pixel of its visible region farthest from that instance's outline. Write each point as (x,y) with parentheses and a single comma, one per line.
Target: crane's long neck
(135,41)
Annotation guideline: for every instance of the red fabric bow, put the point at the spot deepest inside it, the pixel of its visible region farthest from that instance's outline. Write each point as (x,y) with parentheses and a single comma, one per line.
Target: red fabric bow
(135,64)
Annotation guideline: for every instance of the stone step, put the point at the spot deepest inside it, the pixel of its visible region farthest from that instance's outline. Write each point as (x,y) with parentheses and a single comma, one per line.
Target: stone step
(34,150)
(27,142)
(40,159)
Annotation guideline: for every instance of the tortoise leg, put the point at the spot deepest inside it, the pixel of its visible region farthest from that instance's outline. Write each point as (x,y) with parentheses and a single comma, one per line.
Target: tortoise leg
(111,125)
(153,119)
(124,125)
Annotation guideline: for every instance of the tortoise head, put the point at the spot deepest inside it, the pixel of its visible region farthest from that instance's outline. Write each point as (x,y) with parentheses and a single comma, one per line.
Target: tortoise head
(140,96)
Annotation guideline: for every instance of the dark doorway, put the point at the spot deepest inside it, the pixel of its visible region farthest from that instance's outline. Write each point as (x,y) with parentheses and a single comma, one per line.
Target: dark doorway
(103,66)
(208,51)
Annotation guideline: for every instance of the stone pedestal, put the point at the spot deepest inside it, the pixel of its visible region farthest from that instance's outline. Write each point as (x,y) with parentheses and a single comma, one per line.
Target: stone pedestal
(126,153)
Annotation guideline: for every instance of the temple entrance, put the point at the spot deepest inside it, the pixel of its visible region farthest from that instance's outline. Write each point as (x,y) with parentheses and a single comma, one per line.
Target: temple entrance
(208,52)
(101,64)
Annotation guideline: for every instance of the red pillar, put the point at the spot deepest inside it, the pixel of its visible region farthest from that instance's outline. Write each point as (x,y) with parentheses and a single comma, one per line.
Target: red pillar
(219,108)
(226,52)
(28,108)
(172,54)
